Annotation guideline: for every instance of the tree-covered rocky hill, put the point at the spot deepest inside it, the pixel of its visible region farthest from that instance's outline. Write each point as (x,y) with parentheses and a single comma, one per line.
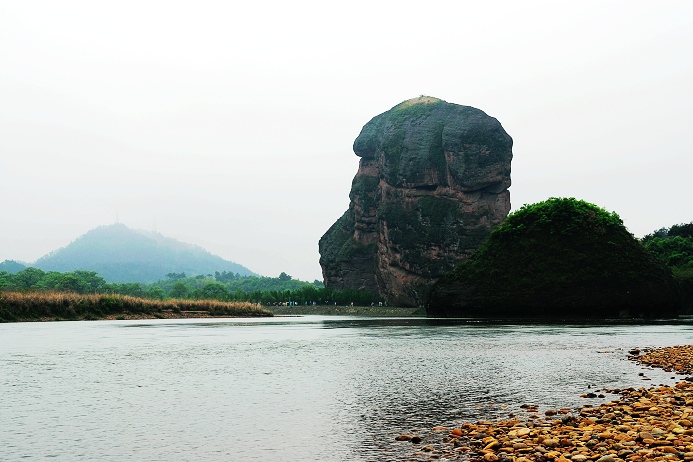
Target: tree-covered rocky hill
(120,254)
(674,247)
(562,258)
(12,266)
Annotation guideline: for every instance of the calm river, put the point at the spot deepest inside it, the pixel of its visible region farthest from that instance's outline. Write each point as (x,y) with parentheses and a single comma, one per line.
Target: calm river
(312,388)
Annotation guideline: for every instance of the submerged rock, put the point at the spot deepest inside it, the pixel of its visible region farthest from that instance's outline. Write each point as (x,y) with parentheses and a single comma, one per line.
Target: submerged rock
(431,185)
(561,258)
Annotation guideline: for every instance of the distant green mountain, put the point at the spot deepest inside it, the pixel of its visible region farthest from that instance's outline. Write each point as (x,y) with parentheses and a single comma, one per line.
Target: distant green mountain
(120,254)
(11,266)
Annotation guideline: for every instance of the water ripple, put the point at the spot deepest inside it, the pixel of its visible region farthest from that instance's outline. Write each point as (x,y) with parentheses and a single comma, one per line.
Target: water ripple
(313,388)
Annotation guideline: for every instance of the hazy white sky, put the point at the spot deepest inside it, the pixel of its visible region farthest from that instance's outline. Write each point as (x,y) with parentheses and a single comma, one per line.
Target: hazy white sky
(230,124)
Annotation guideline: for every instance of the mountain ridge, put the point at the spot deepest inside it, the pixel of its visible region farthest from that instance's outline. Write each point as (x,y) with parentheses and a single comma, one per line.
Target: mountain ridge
(121,254)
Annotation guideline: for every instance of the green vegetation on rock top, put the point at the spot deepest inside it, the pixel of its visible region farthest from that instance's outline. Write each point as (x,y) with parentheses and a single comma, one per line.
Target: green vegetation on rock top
(393,122)
(413,109)
(419,100)
(558,216)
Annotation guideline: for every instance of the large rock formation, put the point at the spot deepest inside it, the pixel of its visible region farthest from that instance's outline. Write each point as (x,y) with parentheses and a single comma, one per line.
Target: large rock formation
(561,258)
(431,185)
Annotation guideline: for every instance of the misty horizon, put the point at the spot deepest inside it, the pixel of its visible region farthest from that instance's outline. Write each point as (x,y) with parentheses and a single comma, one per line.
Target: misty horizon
(231,126)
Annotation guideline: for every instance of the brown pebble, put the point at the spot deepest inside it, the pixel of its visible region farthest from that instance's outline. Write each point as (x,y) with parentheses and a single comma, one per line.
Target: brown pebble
(640,425)
(550,442)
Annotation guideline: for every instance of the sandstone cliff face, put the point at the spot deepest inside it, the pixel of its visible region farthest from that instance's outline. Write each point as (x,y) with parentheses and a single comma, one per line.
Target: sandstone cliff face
(431,185)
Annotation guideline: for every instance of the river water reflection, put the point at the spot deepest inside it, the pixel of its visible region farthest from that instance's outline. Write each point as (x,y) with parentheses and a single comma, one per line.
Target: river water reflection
(312,388)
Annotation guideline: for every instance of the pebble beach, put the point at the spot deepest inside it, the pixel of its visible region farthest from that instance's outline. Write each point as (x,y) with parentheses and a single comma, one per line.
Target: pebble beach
(653,424)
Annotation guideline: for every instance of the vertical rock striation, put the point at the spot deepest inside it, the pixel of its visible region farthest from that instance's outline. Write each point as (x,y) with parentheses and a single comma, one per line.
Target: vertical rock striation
(431,185)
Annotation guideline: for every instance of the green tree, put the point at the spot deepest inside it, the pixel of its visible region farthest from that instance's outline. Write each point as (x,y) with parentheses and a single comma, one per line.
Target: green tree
(8,281)
(91,282)
(70,283)
(175,275)
(224,276)
(155,293)
(682,230)
(28,278)
(214,291)
(50,281)
(179,290)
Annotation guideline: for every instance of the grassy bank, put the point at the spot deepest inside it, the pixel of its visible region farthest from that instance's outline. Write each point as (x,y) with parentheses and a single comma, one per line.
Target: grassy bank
(345,310)
(49,306)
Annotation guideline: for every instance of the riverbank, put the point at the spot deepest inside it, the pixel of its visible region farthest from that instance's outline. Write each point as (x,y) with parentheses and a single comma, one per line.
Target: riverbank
(59,306)
(654,424)
(337,310)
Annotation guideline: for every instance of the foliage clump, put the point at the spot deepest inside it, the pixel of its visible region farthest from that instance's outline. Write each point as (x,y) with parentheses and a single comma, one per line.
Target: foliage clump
(562,257)
(674,247)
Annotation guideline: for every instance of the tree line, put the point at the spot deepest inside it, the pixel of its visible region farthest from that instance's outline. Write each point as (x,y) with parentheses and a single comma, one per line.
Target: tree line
(222,286)
(674,247)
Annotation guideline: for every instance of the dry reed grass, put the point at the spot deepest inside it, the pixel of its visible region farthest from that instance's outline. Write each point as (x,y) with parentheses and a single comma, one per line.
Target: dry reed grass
(28,306)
